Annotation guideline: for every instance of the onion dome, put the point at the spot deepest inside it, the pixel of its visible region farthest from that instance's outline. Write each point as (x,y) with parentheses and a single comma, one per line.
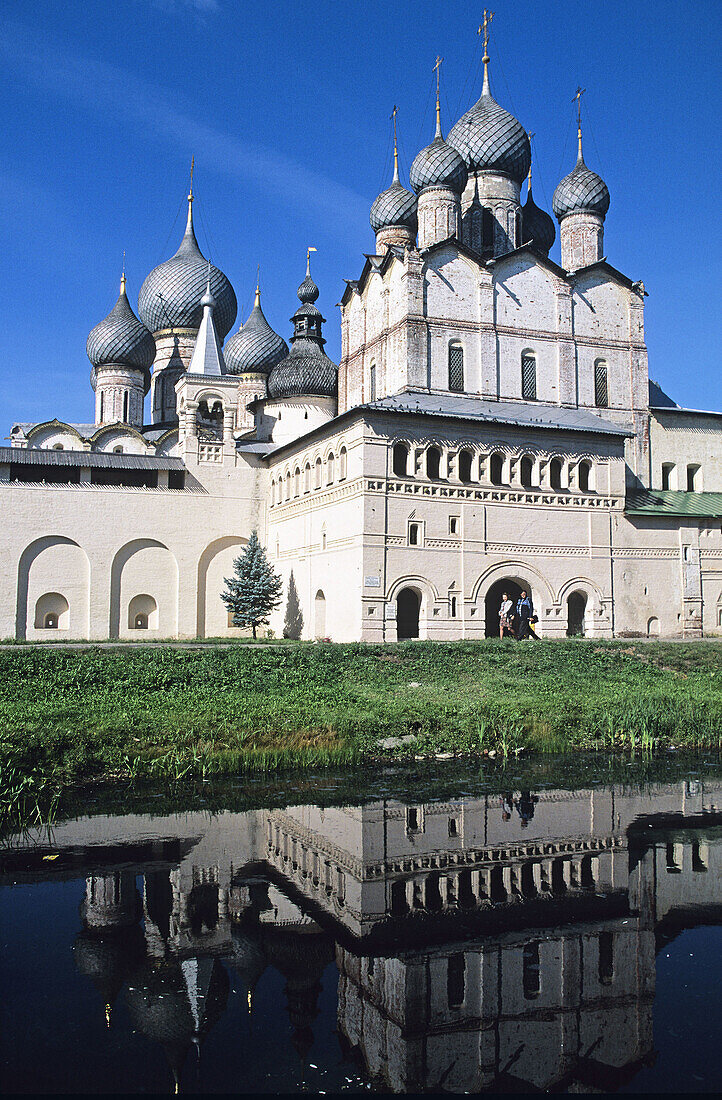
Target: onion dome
(490,139)
(171,295)
(255,348)
(537,226)
(438,165)
(306,370)
(394,206)
(581,191)
(121,339)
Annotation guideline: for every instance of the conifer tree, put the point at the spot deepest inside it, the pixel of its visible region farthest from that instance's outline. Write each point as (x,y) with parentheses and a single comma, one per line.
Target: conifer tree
(255,589)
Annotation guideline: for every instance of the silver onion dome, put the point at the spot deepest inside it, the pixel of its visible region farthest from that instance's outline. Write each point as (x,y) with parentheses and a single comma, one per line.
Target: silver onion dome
(255,348)
(306,370)
(121,339)
(438,165)
(537,226)
(171,295)
(581,190)
(490,139)
(394,206)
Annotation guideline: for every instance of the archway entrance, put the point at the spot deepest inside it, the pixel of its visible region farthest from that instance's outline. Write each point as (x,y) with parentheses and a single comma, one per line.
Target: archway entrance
(576,611)
(513,587)
(408,605)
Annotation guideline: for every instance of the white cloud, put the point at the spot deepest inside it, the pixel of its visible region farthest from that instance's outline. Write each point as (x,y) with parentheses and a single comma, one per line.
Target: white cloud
(107,89)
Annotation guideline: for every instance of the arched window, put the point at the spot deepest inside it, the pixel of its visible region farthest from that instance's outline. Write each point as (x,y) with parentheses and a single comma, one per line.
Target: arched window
(288,485)
(555,474)
(400,459)
(694,479)
(487,230)
(319,465)
(496,472)
(330,469)
(125,407)
(297,482)
(667,475)
(433,462)
(117,450)
(601,384)
(307,478)
(528,376)
(372,382)
(465,460)
(456,367)
(583,476)
(342,464)
(525,472)
(273,492)
(102,395)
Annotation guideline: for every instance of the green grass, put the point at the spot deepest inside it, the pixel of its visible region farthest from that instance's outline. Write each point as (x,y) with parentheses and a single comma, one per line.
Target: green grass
(175,714)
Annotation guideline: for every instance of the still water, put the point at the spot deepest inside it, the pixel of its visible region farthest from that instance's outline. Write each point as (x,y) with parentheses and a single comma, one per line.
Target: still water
(533,929)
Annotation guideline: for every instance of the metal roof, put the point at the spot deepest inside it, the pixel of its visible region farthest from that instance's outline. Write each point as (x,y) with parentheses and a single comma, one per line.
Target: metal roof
(527,415)
(673,502)
(27,456)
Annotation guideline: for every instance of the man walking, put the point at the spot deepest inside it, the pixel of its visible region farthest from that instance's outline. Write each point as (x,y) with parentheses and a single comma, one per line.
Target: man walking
(524,612)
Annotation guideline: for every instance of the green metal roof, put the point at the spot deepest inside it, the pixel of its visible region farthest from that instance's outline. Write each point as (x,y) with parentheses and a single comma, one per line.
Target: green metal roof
(673,502)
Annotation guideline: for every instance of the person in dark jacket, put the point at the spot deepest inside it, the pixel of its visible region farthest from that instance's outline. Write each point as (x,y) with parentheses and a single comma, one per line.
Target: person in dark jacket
(524,612)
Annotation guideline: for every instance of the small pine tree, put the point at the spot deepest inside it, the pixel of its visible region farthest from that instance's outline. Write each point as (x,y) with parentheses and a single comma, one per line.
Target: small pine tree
(255,589)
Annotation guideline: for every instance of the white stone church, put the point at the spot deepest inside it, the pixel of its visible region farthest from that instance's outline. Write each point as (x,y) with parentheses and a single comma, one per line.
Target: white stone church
(491,426)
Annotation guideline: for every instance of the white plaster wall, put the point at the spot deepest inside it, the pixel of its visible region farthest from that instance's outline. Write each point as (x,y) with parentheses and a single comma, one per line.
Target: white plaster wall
(55,565)
(524,294)
(684,439)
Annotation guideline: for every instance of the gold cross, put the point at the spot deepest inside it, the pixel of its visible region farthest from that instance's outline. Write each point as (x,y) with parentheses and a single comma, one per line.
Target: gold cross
(578,96)
(484,29)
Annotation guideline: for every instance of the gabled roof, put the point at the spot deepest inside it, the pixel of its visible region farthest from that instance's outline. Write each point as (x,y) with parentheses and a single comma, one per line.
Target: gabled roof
(375,265)
(612,272)
(673,502)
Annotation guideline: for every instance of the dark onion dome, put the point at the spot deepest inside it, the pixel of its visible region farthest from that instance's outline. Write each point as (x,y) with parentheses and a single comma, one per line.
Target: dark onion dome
(121,339)
(538,227)
(582,190)
(438,165)
(490,139)
(394,206)
(306,370)
(171,295)
(255,348)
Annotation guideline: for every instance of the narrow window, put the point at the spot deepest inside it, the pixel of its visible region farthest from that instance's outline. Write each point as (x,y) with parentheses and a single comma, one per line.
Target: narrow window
(400,459)
(526,468)
(601,386)
(125,407)
(584,477)
(414,532)
(694,479)
(555,474)
(372,382)
(307,478)
(667,471)
(412,819)
(453,826)
(330,469)
(528,377)
(297,482)
(453,525)
(487,230)
(102,402)
(497,469)
(456,368)
(433,462)
(530,971)
(318,473)
(452,607)
(342,464)
(606,957)
(456,980)
(465,460)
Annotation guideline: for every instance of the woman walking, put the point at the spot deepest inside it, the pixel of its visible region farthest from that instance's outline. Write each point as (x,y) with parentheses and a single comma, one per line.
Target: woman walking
(507,606)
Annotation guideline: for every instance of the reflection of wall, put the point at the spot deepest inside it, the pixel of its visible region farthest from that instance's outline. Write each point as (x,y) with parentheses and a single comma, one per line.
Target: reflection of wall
(515,1007)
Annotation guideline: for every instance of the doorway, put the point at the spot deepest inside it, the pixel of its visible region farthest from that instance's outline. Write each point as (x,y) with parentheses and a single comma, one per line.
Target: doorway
(408,606)
(576,612)
(513,588)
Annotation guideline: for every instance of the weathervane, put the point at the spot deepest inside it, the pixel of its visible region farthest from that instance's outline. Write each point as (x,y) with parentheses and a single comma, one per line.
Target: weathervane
(309,250)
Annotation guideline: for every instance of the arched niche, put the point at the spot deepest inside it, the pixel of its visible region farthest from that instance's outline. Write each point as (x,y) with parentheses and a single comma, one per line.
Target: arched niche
(142,613)
(147,567)
(52,612)
(53,565)
(214,566)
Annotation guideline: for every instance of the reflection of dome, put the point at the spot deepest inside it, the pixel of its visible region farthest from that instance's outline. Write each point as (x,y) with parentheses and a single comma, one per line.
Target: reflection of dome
(581,190)
(108,960)
(121,339)
(176,1004)
(255,348)
(248,959)
(171,295)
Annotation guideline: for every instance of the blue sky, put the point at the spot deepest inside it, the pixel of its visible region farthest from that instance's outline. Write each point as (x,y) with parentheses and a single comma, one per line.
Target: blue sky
(286,108)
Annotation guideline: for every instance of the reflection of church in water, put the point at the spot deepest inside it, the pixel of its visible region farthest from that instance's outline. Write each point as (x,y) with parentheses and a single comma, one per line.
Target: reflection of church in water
(470,952)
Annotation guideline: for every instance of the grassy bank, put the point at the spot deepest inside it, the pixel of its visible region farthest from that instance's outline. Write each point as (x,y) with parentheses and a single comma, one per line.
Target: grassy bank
(174,714)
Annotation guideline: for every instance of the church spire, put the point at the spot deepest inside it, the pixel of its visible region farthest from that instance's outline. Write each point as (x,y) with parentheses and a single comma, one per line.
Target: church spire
(189,223)
(578,97)
(396,148)
(484,30)
(207,356)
